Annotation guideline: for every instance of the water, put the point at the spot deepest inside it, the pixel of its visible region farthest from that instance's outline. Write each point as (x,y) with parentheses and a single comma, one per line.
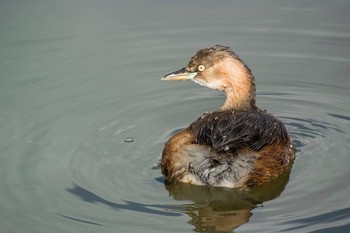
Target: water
(84,115)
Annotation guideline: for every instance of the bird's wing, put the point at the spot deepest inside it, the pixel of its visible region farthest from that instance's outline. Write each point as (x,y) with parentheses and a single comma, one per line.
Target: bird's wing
(231,130)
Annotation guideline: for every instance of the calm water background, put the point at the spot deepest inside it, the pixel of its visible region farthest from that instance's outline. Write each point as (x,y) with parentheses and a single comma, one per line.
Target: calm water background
(84,115)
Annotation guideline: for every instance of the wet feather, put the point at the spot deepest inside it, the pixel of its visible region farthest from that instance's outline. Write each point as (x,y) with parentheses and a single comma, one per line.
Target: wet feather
(229,131)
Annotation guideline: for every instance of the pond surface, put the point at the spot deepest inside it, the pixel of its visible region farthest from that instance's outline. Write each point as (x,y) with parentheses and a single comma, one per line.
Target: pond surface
(84,115)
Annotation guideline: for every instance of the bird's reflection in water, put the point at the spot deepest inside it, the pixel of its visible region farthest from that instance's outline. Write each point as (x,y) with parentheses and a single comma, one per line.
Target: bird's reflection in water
(223,210)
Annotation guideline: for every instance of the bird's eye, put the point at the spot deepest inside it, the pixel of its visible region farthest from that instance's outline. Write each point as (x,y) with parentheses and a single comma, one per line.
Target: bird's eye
(201,68)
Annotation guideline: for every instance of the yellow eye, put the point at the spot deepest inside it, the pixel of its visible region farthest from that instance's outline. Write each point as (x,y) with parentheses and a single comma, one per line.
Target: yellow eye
(201,68)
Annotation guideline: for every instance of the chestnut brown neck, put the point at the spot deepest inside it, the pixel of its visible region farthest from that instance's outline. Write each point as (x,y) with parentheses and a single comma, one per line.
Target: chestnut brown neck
(233,103)
(239,87)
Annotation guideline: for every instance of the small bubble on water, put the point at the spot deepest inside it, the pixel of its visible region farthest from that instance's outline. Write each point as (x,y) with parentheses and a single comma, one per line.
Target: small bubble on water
(129,140)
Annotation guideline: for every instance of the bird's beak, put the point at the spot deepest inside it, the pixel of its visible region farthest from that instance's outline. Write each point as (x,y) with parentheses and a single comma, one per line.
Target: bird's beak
(181,74)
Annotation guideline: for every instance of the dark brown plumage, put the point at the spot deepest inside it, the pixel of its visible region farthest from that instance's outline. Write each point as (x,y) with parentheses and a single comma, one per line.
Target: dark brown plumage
(237,146)
(229,131)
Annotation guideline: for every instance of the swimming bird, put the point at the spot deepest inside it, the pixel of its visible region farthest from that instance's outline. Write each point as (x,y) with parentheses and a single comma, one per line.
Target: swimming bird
(237,146)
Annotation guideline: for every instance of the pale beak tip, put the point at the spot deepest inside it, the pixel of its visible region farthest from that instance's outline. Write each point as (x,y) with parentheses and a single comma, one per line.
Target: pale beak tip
(179,76)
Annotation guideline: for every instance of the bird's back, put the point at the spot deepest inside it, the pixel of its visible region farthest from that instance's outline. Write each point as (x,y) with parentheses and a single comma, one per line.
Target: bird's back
(229,148)
(230,130)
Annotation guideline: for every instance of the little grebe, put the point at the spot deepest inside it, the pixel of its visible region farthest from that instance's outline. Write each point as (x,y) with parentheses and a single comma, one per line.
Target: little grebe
(238,145)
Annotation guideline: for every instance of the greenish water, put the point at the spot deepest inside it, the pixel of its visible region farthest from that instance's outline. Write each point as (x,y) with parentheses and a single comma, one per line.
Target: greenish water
(84,115)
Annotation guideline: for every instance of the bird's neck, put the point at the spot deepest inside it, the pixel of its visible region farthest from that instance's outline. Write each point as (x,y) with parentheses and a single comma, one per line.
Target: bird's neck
(235,101)
(240,93)
(235,79)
